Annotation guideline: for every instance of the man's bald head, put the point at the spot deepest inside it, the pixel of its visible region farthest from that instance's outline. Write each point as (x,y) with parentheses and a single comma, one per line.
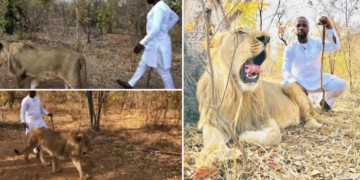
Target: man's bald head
(32,94)
(303,18)
(302,28)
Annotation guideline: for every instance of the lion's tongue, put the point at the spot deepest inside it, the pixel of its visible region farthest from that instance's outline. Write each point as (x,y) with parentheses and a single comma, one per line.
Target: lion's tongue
(252,68)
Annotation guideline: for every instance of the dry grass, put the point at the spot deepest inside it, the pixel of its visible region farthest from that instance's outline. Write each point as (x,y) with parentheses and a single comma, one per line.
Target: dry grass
(324,153)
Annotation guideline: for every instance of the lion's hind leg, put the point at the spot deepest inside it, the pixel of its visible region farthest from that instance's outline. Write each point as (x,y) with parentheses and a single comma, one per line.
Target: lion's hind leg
(73,83)
(294,92)
(73,77)
(268,136)
(34,84)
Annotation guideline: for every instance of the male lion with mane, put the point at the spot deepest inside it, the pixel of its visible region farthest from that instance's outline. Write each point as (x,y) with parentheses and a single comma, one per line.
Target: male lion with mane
(255,109)
(60,146)
(42,63)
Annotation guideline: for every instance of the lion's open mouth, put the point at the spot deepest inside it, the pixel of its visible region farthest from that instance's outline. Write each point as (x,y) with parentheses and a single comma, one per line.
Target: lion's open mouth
(250,70)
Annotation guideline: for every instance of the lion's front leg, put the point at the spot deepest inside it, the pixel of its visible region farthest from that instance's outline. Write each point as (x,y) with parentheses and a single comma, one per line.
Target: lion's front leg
(55,165)
(42,158)
(268,136)
(215,147)
(77,164)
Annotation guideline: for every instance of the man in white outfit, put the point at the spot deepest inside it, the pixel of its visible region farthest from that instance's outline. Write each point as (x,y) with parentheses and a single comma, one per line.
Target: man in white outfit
(157,44)
(302,62)
(30,114)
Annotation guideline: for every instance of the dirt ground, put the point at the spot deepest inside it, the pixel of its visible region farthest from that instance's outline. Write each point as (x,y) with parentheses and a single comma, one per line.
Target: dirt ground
(323,153)
(108,58)
(117,148)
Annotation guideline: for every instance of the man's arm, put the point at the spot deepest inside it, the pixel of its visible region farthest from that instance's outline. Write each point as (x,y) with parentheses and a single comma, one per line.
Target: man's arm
(173,19)
(23,110)
(286,66)
(334,43)
(43,110)
(156,26)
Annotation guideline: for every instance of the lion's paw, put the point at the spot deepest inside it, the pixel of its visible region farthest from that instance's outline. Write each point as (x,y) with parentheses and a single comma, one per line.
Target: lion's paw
(86,176)
(57,170)
(312,123)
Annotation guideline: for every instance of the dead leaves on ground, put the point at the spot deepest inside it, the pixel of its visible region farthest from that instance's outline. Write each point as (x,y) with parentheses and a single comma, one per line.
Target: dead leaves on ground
(324,153)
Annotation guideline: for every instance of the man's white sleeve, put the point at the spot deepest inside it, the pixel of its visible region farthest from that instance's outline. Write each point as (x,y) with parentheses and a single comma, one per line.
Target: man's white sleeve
(331,45)
(23,110)
(286,66)
(43,110)
(155,27)
(173,19)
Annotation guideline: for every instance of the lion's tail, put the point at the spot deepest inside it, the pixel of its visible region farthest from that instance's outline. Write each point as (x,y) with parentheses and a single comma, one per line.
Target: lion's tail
(329,122)
(83,75)
(17,152)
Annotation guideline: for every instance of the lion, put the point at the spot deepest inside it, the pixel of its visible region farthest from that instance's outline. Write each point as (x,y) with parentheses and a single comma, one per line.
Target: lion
(41,63)
(60,146)
(256,109)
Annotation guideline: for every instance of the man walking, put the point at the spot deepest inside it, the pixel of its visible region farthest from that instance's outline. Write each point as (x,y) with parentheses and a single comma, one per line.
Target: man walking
(302,61)
(157,45)
(30,114)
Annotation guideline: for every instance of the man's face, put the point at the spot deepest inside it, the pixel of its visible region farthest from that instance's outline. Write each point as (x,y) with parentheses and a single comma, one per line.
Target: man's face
(302,28)
(32,94)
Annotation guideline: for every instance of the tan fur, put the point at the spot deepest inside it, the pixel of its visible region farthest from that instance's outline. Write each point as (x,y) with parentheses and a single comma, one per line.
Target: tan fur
(255,110)
(41,63)
(60,146)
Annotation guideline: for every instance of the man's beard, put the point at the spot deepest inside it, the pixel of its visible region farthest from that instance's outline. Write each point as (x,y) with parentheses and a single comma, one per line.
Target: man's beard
(303,36)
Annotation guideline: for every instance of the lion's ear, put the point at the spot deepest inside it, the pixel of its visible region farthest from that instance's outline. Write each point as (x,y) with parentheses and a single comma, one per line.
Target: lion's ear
(215,42)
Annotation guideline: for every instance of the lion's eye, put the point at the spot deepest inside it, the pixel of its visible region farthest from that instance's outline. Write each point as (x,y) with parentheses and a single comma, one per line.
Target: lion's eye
(241,32)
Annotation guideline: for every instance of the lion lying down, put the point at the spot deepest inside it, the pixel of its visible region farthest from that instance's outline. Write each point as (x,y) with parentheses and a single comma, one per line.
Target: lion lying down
(42,63)
(59,146)
(256,109)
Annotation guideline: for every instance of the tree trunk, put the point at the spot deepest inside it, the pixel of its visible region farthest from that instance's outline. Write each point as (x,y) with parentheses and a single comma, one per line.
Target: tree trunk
(90,107)
(77,20)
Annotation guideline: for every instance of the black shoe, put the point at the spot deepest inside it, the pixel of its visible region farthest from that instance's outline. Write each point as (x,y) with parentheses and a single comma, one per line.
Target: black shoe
(326,106)
(125,85)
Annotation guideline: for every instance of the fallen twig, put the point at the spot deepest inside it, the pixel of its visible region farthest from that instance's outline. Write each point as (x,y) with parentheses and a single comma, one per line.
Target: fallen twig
(162,152)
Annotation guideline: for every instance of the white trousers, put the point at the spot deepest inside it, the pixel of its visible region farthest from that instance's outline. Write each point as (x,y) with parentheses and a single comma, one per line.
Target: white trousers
(334,87)
(164,73)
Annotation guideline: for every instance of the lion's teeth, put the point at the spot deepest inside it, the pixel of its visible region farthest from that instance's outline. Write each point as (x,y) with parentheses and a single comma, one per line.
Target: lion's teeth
(251,77)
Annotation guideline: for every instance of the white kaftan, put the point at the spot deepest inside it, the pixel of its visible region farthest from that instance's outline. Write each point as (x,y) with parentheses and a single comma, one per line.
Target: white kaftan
(157,42)
(31,110)
(302,62)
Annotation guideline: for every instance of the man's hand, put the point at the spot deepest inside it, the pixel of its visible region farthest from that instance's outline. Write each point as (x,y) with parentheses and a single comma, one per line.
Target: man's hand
(302,87)
(323,20)
(25,125)
(50,114)
(138,48)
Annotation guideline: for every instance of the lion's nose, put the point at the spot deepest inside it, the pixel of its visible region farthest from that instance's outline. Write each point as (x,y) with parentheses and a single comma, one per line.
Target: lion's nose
(264,39)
